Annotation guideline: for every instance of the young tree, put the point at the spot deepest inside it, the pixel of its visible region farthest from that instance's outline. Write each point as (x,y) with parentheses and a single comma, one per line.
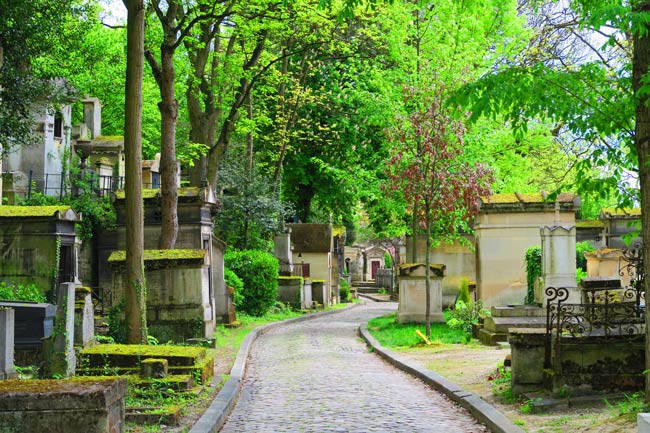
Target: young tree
(427,168)
(136,293)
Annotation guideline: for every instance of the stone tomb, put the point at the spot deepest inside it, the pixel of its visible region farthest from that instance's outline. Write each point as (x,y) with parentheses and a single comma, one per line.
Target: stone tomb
(412,293)
(179,297)
(502,319)
(62,406)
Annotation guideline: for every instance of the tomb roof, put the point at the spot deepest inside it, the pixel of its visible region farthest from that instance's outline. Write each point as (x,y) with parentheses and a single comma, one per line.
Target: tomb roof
(60,212)
(532,201)
(606,213)
(590,224)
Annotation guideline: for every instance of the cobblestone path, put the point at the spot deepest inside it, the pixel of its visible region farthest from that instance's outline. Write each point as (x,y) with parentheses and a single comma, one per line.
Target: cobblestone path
(318,376)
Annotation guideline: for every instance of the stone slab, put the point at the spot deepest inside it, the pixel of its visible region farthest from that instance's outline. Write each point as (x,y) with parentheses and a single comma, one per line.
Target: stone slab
(643,422)
(502,324)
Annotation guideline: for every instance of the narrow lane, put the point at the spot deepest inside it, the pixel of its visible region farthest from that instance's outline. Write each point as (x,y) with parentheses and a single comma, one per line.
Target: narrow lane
(318,376)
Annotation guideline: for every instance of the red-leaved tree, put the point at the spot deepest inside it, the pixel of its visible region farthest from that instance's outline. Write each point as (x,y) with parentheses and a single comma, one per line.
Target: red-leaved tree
(428,168)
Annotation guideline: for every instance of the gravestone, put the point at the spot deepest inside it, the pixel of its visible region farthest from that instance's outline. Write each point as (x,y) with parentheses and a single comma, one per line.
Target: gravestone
(282,251)
(33,321)
(559,261)
(62,357)
(412,293)
(7,344)
(84,318)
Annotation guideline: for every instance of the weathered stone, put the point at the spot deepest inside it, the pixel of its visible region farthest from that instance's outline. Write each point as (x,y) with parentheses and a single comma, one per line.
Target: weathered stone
(62,406)
(7,344)
(412,293)
(61,358)
(290,291)
(154,368)
(84,319)
(527,347)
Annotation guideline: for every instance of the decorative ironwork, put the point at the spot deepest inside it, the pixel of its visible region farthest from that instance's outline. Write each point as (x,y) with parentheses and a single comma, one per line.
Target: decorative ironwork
(633,264)
(606,314)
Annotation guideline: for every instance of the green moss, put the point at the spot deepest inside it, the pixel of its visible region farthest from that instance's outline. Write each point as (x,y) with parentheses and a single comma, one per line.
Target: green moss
(338,230)
(626,212)
(284,277)
(501,198)
(590,224)
(318,281)
(109,138)
(145,351)
(153,255)
(30,211)
(74,384)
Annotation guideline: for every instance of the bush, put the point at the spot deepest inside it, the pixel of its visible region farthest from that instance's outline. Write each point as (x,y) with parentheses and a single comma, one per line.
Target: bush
(344,290)
(581,249)
(533,271)
(464,315)
(258,272)
(232,280)
(13,292)
(463,293)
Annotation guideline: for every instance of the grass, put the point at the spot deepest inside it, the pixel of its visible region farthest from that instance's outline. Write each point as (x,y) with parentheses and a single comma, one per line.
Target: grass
(391,334)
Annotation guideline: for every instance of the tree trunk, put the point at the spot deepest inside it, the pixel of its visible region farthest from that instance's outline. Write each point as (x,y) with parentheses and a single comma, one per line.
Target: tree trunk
(427,273)
(168,166)
(135,290)
(640,62)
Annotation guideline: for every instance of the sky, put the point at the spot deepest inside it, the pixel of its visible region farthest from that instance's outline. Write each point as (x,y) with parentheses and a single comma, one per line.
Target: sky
(115,12)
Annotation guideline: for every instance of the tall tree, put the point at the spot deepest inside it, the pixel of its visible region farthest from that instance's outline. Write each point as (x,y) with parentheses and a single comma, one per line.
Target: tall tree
(136,291)
(442,190)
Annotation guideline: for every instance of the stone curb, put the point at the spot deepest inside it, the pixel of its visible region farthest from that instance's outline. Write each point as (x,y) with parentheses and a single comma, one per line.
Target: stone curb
(215,416)
(484,412)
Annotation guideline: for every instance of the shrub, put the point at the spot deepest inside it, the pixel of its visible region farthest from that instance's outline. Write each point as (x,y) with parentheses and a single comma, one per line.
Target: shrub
(344,290)
(20,292)
(463,293)
(464,315)
(258,271)
(533,271)
(581,249)
(232,280)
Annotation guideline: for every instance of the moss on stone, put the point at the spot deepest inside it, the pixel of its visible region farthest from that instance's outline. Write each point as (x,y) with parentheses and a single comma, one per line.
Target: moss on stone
(154,255)
(143,350)
(590,224)
(46,386)
(109,138)
(625,212)
(30,211)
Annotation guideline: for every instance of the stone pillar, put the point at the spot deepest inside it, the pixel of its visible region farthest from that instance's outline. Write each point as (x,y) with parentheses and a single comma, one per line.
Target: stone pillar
(559,261)
(84,317)
(93,116)
(528,349)
(7,371)
(62,359)
(282,251)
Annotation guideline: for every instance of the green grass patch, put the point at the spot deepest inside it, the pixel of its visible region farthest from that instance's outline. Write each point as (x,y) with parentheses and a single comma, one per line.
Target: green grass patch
(389,333)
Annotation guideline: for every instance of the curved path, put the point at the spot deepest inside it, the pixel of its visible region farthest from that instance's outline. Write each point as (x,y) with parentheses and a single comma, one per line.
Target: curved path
(318,376)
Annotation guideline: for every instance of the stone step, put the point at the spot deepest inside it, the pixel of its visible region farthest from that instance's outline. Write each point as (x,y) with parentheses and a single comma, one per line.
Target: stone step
(502,324)
(518,311)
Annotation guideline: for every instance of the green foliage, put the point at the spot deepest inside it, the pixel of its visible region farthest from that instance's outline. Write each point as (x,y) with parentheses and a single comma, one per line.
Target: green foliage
(391,334)
(581,249)
(580,274)
(388,260)
(259,272)
(232,280)
(344,290)
(629,406)
(501,384)
(20,292)
(463,316)
(533,271)
(117,326)
(463,293)
(98,212)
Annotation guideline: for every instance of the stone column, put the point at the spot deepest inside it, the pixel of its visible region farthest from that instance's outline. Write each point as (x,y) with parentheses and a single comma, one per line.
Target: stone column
(282,251)
(62,359)
(84,318)
(559,261)
(7,371)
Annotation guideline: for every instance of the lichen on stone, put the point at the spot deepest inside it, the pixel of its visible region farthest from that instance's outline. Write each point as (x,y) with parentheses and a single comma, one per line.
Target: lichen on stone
(31,211)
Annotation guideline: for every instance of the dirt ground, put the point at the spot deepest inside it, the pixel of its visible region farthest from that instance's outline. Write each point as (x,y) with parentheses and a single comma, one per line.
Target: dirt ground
(470,366)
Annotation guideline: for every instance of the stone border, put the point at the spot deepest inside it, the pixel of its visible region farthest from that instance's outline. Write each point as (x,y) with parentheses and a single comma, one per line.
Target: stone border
(215,416)
(484,412)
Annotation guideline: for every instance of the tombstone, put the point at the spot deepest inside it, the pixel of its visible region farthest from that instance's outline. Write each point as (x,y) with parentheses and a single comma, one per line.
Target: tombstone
(61,355)
(559,261)
(282,251)
(7,344)
(33,321)
(412,293)
(84,317)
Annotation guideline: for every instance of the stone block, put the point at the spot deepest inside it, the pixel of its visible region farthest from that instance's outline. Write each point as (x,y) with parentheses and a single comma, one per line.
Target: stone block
(62,406)
(643,422)
(412,294)
(7,344)
(84,319)
(503,324)
(61,357)
(527,347)
(154,368)
(490,338)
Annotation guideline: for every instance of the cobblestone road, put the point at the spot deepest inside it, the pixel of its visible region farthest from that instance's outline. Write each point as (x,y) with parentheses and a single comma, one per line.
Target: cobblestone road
(318,376)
